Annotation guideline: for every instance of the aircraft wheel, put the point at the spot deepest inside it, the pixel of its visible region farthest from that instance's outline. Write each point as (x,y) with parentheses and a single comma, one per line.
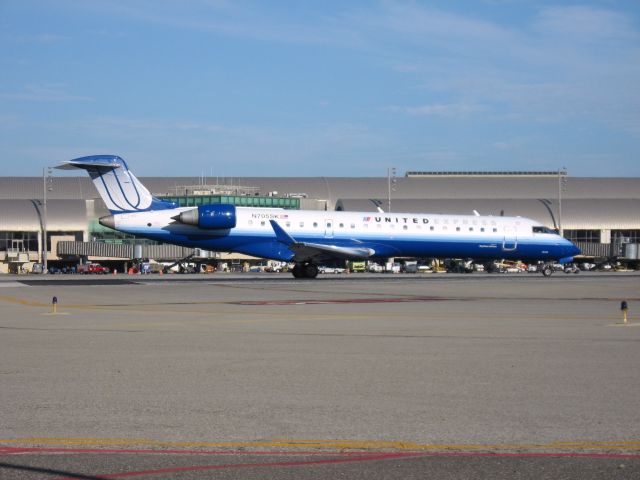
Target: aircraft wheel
(547,271)
(305,270)
(298,271)
(310,271)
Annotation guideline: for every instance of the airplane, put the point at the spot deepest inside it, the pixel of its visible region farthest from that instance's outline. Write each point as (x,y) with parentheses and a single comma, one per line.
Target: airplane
(308,237)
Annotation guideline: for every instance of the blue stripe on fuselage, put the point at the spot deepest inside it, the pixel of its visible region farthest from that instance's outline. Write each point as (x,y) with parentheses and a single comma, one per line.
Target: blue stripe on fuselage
(264,244)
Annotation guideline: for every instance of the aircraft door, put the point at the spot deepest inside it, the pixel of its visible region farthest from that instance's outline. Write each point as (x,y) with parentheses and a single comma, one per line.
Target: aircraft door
(510,242)
(328,228)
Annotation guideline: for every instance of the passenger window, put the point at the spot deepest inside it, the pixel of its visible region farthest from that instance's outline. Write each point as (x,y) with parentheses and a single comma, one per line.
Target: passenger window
(404,227)
(432,228)
(457,229)
(262,223)
(315,224)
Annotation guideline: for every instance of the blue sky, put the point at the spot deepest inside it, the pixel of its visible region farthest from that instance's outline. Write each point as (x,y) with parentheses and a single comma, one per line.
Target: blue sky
(236,88)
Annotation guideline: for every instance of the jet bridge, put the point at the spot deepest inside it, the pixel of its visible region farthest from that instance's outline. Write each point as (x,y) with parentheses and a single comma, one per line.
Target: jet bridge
(162,252)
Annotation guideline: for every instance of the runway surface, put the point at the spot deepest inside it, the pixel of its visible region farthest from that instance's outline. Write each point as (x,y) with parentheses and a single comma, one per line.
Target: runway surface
(362,376)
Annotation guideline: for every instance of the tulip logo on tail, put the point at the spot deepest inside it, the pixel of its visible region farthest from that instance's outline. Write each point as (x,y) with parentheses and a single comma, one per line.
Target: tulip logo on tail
(120,190)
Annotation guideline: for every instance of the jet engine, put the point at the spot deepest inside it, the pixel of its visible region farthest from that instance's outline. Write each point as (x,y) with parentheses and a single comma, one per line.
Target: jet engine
(209,217)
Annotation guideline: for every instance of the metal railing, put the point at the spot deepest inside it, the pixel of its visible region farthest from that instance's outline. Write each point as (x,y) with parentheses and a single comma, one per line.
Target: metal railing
(129,251)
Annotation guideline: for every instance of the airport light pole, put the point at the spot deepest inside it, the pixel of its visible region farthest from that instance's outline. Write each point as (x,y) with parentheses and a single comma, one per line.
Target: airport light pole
(391,185)
(47,185)
(562,186)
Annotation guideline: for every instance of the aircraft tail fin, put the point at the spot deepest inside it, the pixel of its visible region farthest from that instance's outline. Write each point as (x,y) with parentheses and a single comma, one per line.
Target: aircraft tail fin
(120,190)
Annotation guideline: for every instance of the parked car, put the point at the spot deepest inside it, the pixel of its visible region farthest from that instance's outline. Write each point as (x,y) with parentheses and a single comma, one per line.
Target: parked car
(324,269)
(91,268)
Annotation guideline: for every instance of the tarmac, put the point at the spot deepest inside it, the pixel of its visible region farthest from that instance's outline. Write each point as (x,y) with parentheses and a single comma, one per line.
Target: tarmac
(360,376)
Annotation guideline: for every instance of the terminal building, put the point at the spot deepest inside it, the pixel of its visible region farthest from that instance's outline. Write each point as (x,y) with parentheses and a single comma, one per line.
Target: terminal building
(601,215)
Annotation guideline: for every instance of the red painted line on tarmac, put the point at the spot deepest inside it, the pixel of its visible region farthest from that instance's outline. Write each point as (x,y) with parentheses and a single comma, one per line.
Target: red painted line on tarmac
(13,450)
(530,454)
(344,301)
(162,471)
(342,457)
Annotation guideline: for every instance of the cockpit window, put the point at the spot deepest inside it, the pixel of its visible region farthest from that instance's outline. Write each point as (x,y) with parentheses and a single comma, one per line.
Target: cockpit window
(544,230)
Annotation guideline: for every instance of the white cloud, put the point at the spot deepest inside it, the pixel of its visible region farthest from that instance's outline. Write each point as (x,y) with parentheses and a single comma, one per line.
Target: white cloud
(585,23)
(577,64)
(38,38)
(440,109)
(233,19)
(44,93)
(134,126)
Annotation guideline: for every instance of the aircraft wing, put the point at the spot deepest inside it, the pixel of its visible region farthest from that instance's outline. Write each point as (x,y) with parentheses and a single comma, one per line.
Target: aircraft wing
(306,251)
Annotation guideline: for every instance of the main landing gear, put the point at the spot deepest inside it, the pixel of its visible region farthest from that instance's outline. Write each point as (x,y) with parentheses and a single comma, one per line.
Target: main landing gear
(305,270)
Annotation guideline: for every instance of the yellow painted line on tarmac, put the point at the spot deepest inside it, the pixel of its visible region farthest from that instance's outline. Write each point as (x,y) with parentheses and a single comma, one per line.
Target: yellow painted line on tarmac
(236,310)
(186,310)
(326,444)
(20,301)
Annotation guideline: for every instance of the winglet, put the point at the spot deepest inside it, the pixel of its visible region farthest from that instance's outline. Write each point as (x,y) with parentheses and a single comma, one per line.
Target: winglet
(281,235)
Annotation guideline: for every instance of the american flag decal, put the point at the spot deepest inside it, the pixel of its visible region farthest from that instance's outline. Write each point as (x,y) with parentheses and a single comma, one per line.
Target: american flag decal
(367,219)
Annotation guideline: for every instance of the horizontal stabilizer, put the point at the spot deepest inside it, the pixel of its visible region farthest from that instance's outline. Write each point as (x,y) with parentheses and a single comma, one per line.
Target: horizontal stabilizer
(95,161)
